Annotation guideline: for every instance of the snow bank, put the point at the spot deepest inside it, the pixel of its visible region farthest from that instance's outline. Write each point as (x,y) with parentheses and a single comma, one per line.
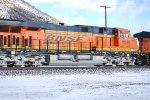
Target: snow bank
(115,85)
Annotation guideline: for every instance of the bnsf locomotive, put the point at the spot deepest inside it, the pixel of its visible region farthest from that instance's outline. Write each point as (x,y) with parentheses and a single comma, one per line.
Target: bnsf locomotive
(35,36)
(71,44)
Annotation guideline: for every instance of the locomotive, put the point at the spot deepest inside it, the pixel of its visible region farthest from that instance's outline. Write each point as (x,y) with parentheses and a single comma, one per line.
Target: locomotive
(143,58)
(62,44)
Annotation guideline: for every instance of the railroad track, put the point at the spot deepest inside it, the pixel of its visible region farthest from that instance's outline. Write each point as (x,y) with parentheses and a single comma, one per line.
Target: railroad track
(68,70)
(70,67)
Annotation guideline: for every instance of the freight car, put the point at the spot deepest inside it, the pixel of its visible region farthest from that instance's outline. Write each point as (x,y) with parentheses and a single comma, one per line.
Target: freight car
(70,44)
(143,58)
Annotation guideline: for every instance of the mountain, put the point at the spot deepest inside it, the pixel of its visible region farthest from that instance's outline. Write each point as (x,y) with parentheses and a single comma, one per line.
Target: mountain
(22,10)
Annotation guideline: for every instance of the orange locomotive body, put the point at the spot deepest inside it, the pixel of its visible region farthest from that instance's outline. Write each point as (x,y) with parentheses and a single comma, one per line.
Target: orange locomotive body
(51,37)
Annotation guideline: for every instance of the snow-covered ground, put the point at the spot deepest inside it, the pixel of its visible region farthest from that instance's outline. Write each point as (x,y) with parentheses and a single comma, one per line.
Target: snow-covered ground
(131,84)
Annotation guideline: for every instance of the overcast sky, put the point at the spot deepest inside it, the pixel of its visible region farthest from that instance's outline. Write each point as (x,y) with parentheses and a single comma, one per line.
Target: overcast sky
(130,14)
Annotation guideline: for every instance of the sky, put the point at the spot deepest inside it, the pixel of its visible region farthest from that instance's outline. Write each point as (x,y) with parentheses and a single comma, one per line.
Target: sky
(130,14)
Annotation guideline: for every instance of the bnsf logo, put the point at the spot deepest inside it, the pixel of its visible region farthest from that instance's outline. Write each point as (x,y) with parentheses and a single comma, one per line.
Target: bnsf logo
(64,38)
(125,41)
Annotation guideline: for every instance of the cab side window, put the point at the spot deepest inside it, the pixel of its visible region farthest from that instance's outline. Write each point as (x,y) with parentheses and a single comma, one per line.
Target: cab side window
(121,35)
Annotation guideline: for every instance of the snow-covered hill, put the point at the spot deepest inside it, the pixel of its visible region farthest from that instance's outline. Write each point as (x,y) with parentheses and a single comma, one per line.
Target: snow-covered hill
(21,10)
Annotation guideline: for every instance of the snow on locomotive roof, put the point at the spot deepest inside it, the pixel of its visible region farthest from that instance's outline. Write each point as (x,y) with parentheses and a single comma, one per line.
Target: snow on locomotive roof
(21,23)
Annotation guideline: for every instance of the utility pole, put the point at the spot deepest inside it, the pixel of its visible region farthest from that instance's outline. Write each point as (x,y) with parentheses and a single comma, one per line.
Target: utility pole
(105,14)
(105,31)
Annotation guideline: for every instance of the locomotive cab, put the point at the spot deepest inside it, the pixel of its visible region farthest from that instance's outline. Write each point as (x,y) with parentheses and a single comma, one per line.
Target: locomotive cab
(124,41)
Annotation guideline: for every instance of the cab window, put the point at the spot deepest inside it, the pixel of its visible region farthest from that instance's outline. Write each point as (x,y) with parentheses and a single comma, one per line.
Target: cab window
(121,34)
